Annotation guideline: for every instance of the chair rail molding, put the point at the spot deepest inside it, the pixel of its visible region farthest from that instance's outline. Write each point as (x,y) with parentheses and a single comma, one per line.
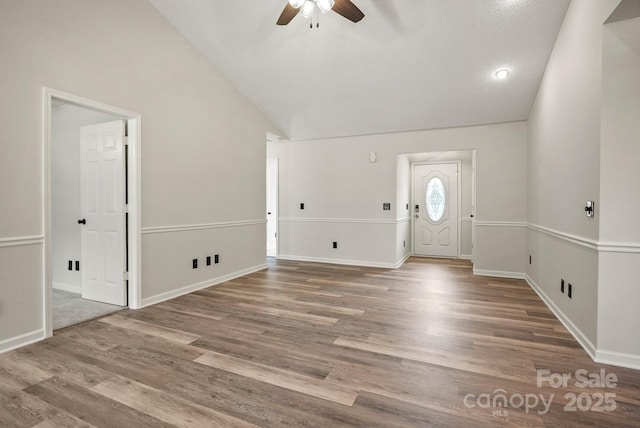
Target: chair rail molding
(344,220)
(201,226)
(17,241)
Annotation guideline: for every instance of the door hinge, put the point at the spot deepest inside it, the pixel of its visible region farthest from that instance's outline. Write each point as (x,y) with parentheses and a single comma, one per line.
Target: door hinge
(125,276)
(125,140)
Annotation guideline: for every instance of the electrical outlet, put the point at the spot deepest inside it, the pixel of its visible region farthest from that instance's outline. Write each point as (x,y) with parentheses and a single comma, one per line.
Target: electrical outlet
(195,264)
(562,286)
(404,243)
(70,264)
(77,265)
(570,291)
(335,244)
(208,260)
(407,206)
(529,258)
(216,259)
(386,206)
(301,205)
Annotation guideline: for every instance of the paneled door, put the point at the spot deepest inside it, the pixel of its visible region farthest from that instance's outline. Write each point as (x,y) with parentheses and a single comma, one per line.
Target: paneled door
(103,213)
(435,201)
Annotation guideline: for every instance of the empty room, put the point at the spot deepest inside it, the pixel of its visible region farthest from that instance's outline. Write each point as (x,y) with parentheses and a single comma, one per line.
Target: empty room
(326,213)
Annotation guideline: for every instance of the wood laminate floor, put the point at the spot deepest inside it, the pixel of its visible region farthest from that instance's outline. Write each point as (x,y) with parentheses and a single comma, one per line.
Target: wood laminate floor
(303,344)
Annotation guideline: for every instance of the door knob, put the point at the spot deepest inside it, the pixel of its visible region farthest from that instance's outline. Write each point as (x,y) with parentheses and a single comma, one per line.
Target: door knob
(268,213)
(82,221)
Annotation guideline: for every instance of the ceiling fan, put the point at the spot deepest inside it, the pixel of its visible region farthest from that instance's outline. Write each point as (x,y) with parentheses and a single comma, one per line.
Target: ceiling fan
(310,9)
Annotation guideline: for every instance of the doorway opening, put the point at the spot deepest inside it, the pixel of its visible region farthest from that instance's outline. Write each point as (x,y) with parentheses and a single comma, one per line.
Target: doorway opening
(92,209)
(272,207)
(442,194)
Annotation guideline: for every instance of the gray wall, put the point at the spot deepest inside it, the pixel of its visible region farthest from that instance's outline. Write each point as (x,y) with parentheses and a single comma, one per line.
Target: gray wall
(203,145)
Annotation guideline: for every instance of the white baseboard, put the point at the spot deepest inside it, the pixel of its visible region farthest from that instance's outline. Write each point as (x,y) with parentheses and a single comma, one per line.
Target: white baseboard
(364,263)
(404,259)
(498,273)
(465,256)
(582,339)
(67,287)
(22,340)
(618,359)
(148,301)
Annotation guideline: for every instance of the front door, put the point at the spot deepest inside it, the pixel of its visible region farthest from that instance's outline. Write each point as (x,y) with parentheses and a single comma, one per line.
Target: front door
(436,210)
(103,213)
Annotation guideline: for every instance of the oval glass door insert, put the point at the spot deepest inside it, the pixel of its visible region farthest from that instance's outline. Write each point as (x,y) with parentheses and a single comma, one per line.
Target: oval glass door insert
(436,199)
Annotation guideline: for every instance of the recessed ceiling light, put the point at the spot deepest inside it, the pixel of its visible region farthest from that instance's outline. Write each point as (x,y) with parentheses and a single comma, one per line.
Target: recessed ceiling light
(503,73)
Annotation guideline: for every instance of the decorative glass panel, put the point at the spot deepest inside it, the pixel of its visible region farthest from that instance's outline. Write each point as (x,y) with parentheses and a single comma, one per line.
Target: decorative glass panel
(435,199)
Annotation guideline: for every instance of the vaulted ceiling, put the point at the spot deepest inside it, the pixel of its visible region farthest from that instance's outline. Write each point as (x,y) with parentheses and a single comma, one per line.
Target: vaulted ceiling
(408,65)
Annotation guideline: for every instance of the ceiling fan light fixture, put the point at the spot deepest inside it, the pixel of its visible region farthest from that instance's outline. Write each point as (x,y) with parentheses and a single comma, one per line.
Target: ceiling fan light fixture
(296,3)
(502,74)
(308,9)
(325,5)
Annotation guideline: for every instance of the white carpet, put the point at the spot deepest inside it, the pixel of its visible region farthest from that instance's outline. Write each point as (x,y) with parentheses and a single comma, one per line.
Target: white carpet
(69,309)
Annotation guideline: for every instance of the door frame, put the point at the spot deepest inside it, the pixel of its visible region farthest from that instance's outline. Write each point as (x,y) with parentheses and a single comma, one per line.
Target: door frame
(134,239)
(473,206)
(413,204)
(276,161)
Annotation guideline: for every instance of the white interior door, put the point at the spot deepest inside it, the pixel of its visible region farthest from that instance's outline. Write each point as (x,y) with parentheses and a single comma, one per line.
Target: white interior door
(272,207)
(103,213)
(436,210)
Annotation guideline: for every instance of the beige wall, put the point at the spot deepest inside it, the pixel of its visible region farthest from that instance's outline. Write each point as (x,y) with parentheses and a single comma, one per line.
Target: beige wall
(20,294)
(619,264)
(620,149)
(335,180)
(403,238)
(583,131)
(564,125)
(203,144)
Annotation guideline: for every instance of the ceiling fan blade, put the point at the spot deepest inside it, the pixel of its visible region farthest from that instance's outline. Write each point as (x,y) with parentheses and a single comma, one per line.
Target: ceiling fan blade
(287,14)
(347,9)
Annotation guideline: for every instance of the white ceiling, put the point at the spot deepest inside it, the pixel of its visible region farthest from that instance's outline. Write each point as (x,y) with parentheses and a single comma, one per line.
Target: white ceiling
(408,65)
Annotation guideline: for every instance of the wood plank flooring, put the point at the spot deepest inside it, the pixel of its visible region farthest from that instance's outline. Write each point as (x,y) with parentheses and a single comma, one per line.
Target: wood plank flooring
(304,344)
